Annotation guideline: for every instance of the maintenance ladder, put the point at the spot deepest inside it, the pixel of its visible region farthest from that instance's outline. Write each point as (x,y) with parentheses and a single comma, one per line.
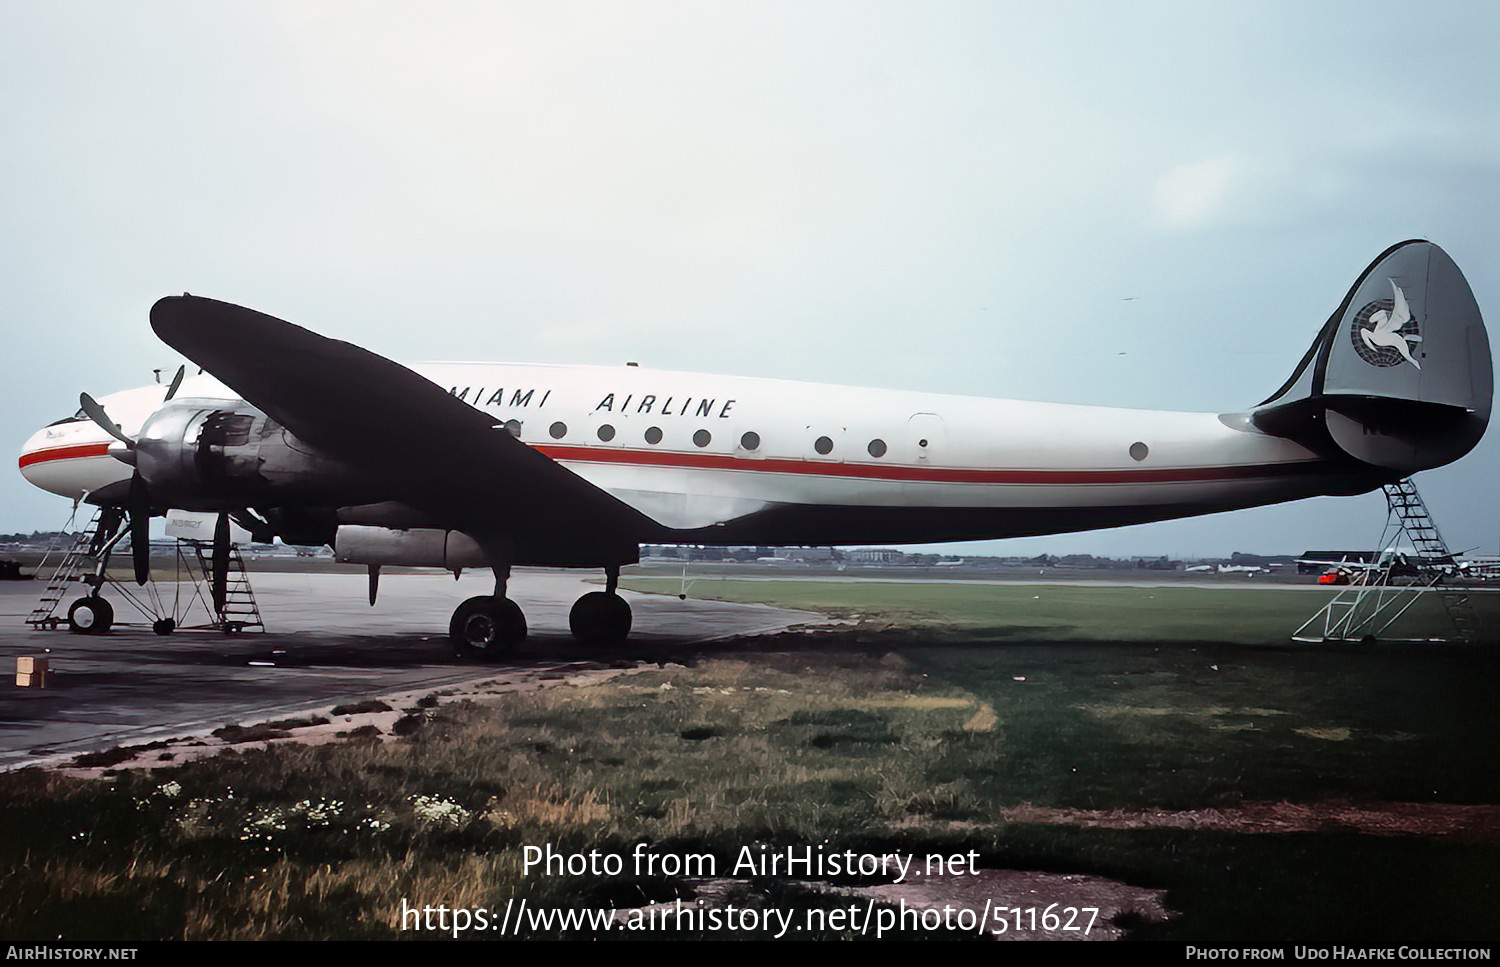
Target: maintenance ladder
(84,561)
(1371,604)
(82,552)
(239,611)
(1432,552)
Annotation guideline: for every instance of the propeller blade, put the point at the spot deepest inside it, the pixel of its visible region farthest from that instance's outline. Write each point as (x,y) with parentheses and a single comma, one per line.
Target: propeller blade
(95,412)
(221,562)
(140,528)
(176,382)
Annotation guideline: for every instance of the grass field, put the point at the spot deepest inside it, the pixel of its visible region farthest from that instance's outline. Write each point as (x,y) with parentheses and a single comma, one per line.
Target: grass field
(1070,612)
(1156,736)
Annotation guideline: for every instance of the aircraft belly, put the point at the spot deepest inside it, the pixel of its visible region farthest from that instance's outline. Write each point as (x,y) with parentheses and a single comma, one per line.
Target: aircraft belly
(684,499)
(1029,511)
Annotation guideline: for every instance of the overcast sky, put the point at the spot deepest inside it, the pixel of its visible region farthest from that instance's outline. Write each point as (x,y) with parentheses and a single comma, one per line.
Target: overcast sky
(1146,205)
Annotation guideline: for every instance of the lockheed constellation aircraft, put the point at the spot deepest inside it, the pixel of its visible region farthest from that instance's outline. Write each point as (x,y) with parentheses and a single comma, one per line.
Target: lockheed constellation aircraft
(457,465)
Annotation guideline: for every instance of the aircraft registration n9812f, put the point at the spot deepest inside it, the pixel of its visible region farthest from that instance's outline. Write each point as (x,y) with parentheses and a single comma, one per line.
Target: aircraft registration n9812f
(457,465)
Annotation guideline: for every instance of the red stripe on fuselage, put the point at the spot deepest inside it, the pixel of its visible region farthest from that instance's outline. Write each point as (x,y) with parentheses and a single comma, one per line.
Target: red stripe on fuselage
(78,452)
(709,461)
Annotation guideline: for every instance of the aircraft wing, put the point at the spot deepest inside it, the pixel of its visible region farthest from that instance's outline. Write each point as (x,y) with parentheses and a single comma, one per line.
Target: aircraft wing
(436,453)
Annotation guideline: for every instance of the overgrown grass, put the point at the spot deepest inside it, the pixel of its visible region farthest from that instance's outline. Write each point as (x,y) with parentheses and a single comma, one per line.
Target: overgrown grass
(299,841)
(1070,612)
(872,740)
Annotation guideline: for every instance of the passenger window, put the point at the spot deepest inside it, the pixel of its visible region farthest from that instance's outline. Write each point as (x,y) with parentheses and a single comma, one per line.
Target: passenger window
(877,448)
(702,438)
(823,445)
(653,434)
(558,430)
(750,441)
(606,432)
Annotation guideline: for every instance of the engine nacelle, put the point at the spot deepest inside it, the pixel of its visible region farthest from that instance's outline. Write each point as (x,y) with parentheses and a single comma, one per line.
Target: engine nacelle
(415,547)
(208,455)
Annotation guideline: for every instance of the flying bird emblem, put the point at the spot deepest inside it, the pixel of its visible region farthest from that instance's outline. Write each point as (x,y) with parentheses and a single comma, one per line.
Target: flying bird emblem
(1385,331)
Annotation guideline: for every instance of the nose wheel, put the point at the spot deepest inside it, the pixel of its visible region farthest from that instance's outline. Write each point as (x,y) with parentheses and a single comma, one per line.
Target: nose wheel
(90,616)
(486,626)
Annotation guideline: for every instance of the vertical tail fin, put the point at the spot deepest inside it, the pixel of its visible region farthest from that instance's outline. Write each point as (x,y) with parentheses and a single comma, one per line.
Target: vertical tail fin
(1400,376)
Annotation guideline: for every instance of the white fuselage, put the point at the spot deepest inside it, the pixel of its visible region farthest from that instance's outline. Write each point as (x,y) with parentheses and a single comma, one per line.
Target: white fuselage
(695,452)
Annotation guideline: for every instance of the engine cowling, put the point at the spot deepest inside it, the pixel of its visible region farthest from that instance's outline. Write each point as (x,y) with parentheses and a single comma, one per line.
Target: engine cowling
(205,455)
(411,547)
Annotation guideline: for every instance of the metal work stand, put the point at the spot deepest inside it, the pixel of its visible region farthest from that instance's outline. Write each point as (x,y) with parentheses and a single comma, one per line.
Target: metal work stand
(1371,603)
(85,561)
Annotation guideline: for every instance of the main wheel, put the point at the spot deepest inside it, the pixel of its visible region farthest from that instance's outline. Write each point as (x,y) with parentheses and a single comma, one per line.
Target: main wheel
(90,616)
(600,618)
(486,626)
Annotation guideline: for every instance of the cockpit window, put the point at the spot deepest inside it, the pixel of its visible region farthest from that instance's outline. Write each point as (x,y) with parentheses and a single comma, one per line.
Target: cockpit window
(78,417)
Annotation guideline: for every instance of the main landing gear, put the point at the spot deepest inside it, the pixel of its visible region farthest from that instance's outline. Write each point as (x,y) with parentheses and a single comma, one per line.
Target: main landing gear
(492,624)
(601,617)
(487,625)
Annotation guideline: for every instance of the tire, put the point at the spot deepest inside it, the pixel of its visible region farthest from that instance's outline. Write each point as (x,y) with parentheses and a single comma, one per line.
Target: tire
(600,618)
(487,626)
(90,616)
(164,627)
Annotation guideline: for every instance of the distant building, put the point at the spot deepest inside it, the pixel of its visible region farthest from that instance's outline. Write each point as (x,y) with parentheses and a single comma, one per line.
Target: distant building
(804,553)
(874,555)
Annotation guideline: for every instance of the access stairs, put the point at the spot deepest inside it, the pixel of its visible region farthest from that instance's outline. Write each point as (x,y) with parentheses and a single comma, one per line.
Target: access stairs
(238,612)
(83,559)
(67,570)
(1370,605)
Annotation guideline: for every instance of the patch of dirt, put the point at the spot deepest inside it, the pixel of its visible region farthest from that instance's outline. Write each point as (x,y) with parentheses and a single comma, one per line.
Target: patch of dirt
(998,904)
(983,720)
(1474,823)
(1337,734)
(380,719)
(1026,905)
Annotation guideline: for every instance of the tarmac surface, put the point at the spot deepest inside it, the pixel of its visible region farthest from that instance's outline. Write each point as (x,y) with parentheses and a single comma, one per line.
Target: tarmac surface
(323,645)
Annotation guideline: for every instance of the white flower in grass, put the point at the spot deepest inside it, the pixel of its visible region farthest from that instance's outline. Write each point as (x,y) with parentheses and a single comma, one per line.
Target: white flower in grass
(436,811)
(321,812)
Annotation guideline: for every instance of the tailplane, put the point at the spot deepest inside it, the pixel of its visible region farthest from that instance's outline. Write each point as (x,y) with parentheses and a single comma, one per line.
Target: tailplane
(1400,376)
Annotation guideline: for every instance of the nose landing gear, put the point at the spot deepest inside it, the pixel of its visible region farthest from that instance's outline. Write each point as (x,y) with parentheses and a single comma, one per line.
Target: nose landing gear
(90,616)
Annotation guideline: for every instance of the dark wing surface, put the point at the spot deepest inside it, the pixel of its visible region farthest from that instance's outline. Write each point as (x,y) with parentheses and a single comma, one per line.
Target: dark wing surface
(435,452)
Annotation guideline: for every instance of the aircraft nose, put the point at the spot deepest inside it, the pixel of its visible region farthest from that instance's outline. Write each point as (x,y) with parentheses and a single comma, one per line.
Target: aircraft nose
(68,459)
(31,454)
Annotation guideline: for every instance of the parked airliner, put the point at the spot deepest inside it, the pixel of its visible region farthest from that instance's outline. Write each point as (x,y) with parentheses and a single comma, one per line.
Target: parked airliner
(458,465)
